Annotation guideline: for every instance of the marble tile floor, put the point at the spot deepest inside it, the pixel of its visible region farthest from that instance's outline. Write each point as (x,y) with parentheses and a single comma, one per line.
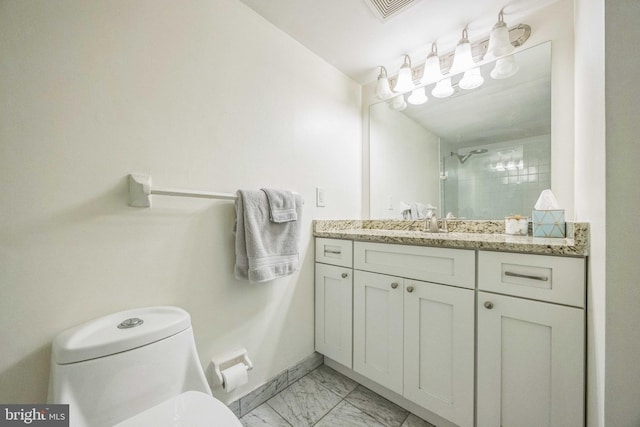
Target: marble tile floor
(326,398)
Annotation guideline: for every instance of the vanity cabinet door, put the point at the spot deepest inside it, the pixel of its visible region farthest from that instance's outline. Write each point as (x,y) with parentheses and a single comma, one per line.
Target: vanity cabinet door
(334,297)
(377,328)
(530,363)
(439,349)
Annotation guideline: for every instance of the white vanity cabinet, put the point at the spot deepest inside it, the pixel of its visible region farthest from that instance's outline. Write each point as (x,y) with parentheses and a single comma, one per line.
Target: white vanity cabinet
(378,328)
(439,349)
(334,299)
(502,344)
(531,348)
(416,337)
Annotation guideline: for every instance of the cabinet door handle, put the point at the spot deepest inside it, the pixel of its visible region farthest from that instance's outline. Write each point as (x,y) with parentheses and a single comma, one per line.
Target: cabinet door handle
(345,275)
(333,251)
(526,276)
(409,289)
(394,285)
(488,305)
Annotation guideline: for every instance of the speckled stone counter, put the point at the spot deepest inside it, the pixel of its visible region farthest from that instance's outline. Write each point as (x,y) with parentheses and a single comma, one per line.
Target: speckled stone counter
(485,235)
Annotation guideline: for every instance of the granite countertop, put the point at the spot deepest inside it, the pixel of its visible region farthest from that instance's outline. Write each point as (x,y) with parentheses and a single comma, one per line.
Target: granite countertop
(485,235)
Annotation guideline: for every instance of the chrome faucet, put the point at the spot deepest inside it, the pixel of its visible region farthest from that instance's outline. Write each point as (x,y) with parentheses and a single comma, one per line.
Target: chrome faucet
(431,222)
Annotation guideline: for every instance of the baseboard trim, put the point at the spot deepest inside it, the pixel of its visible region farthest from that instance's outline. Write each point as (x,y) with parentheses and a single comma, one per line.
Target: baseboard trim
(275,385)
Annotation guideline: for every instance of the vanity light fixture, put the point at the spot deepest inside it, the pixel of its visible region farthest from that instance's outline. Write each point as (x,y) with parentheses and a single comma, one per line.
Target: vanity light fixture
(432,70)
(383,89)
(418,96)
(499,42)
(405,77)
(499,45)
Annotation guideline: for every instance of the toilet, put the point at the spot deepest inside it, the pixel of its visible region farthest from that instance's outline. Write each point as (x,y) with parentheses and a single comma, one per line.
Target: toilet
(135,368)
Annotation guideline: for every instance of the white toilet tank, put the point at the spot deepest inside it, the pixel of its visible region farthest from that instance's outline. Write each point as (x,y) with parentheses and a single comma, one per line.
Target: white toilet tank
(117,366)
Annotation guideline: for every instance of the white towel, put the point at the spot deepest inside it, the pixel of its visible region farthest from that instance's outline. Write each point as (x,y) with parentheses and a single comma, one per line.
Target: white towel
(265,250)
(282,205)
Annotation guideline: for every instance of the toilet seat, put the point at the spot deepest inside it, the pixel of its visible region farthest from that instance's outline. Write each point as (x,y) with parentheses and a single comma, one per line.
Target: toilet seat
(189,409)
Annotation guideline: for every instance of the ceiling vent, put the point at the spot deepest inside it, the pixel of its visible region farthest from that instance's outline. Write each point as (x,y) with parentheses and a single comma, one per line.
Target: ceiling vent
(385,9)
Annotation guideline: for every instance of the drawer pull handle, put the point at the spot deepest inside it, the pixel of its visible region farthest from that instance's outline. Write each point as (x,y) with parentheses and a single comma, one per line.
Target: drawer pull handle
(345,275)
(409,289)
(526,276)
(394,285)
(488,305)
(333,251)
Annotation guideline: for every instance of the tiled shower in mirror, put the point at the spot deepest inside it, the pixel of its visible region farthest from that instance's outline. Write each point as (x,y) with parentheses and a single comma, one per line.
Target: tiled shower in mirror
(495,180)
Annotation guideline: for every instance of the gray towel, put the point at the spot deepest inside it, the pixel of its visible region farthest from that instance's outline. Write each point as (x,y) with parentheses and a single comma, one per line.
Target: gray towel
(265,250)
(282,205)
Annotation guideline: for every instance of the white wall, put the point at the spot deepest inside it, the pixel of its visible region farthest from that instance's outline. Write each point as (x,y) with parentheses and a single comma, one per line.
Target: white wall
(622,385)
(202,94)
(590,186)
(405,159)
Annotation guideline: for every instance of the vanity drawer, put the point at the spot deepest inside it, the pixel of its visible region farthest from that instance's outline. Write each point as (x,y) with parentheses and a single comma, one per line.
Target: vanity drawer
(334,251)
(439,265)
(541,277)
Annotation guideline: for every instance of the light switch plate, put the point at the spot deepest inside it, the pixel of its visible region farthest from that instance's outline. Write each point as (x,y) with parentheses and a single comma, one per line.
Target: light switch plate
(320,197)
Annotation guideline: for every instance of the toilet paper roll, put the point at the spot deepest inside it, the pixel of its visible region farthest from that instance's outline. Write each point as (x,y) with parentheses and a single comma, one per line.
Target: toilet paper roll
(234,376)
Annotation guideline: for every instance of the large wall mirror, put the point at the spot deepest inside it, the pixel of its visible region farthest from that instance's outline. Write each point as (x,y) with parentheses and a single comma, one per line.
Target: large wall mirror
(480,154)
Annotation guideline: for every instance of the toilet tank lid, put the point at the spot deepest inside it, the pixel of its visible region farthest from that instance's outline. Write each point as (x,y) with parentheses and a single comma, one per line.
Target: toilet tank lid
(118,332)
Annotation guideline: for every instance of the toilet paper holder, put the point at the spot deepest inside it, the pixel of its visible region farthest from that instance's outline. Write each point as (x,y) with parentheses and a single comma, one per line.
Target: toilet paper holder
(229,359)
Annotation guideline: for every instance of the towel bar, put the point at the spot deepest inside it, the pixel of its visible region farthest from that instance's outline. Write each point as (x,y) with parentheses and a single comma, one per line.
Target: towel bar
(140,192)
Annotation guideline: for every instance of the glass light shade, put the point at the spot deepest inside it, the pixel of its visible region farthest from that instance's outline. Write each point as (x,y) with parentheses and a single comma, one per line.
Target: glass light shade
(417,97)
(505,68)
(499,43)
(432,71)
(511,166)
(398,103)
(462,58)
(443,88)
(405,79)
(500,167)
(383,89)
(472,79)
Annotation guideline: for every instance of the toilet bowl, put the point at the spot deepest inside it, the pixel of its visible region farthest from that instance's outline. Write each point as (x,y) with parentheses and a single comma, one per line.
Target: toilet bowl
(191,408)
(134,368)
